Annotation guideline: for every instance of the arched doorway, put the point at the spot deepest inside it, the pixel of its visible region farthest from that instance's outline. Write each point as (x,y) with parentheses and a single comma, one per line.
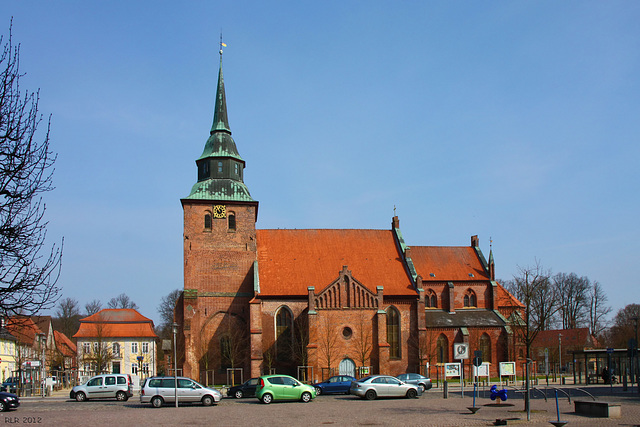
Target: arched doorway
(347,367)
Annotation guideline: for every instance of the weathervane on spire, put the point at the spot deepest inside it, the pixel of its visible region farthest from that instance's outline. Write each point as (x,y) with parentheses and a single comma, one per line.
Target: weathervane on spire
(490,243)
(221,43)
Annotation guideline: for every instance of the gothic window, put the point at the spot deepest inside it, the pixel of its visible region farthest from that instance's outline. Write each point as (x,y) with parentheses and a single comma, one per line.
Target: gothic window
(470,299)
(442,349)
(225,351)
(232,221)
(283,331)
(431,300)
(207,221)
(393,332)
(485,347)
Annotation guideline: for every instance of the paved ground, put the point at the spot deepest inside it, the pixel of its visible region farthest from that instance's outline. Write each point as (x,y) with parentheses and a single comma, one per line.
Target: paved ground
(429,410)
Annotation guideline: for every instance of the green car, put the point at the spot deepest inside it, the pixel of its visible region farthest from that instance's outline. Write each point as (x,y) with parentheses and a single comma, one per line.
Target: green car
(283,387)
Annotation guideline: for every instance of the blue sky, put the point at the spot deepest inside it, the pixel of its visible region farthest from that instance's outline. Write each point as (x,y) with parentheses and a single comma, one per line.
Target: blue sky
(516,121)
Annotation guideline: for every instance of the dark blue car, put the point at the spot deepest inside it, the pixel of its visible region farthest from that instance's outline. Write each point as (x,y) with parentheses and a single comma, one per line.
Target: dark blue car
(336,384)
(248,389)
(10,385)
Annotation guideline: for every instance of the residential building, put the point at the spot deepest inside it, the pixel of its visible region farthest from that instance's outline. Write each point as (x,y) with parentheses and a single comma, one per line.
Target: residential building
(116,341)
(7,352)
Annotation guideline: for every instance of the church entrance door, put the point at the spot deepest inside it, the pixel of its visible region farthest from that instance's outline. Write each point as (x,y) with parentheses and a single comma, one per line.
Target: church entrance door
(347,367)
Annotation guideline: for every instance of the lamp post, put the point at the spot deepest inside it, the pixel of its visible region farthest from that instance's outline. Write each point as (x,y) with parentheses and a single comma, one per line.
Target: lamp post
(560,354)
(635,320)
(175,363)
(43,340)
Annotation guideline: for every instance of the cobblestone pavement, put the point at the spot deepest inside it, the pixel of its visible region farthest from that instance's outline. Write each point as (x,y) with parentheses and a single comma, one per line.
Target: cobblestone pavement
(429,410)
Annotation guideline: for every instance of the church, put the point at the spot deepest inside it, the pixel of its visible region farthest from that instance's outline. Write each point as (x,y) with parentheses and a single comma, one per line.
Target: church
(321,302)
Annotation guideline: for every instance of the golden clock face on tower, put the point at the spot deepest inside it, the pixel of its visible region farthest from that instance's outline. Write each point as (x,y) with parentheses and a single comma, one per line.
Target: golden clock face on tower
(219,211)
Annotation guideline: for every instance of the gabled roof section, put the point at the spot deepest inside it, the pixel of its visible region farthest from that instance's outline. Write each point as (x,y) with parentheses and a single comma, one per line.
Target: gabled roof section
(116,323)
(505,299)
(292,260)
(24,329)
(448,263)
(463,318)
(64,345)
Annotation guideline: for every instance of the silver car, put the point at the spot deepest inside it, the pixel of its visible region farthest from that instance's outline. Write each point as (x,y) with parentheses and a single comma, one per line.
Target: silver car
(420,380)
(161,390)
(383,386)
(103,387)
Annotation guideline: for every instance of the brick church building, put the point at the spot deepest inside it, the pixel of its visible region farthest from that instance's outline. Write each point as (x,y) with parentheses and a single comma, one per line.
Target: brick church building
(318,302)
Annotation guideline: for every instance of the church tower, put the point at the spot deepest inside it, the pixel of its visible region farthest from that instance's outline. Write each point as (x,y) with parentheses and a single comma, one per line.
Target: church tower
(219,248)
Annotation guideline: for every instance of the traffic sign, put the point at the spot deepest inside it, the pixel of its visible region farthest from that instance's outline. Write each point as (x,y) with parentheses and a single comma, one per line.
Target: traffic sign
(460,351)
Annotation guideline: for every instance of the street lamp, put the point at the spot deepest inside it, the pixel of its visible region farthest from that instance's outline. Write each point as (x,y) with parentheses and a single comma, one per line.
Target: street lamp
(43,340)
(175,363)
(560,353)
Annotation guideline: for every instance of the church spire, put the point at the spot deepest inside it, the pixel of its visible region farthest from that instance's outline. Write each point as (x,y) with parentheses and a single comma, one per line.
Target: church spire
(220,119)
(220,167)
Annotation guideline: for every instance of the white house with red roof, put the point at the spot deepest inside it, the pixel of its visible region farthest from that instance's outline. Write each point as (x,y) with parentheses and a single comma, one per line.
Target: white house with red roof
(116,341)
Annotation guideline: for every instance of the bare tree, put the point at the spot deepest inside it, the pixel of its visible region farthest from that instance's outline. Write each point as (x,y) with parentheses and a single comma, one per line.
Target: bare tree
(269,359)
(300,340)
(68,316)
(533,288)
(166,309)
(362,341)
(598,310)
(92,307)
(122,301)
(100,353)
(28,277)
(328,338)
(234,344)
(623,326)
(573,299)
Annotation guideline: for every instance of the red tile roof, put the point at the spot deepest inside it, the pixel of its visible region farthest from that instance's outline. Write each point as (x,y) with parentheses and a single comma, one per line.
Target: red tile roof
(451,263)
(64,344)
(291,260)
(505,299)
(23,328)
(571,338)
(116,323)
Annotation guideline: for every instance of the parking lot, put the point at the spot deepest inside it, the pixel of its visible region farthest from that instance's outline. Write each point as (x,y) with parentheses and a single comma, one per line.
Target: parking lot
(430,409)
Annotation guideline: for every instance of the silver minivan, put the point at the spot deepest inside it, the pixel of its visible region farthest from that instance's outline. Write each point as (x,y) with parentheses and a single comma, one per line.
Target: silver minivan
(103,387)
(161,390)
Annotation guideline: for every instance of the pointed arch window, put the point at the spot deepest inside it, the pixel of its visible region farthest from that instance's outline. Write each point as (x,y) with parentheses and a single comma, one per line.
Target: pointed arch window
(485,347)
(232,221)
(393,332)
(207,221)
(284,332)
(470,299)
(431,300)
(442,349)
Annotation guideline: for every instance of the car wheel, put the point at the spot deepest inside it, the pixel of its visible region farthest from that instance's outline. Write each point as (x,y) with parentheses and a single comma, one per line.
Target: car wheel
(422,387)
(3,406)
(157,402)
(412,393)
(81,397)
(370,395)
(207,400)
(121,396)
(238,394)
(267,398)
(318,391)
(306,397)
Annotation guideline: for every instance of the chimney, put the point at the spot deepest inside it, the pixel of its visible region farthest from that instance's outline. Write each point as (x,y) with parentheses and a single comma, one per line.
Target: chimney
(475,242)
(395,223)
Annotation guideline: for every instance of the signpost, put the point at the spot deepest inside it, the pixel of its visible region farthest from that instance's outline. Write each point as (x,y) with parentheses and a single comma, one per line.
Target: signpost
(461,352)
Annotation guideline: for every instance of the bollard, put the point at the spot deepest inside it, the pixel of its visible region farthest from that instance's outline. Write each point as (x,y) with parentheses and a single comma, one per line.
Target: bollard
(445,389)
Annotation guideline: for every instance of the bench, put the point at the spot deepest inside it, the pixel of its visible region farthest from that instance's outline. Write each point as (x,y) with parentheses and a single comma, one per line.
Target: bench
(596,408)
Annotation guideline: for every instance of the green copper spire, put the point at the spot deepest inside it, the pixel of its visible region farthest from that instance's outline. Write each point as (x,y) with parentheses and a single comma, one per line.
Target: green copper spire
(220,167)
(220,119)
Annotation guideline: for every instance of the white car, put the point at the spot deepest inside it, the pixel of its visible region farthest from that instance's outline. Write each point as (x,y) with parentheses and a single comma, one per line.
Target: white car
(375,386)
(104,386)
(161,390)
